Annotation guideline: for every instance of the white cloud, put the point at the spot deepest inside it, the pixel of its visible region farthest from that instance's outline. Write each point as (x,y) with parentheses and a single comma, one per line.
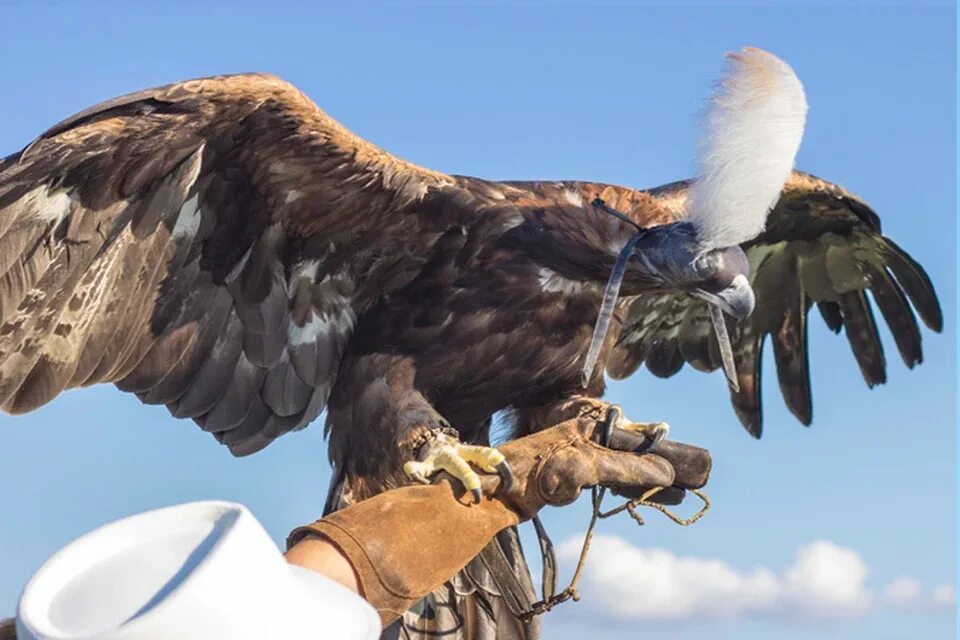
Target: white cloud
(824,582)
(902,592)
(908,594)
(655,584)
(945,596)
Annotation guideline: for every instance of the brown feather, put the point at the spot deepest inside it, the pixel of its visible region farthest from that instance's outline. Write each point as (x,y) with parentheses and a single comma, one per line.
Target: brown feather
(830,312)
(789,341)
(238,399)
(210,316)
(747,403)
(696,340)
(133,337)
(284,391)
(209,384)
(861,330)
(896,311)
(917,285)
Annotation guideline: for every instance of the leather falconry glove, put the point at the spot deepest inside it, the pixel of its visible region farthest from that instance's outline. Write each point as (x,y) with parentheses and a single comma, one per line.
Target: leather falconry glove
(404,543)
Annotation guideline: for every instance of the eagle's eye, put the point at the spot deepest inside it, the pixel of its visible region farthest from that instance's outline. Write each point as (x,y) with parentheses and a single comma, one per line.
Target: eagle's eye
(717,269)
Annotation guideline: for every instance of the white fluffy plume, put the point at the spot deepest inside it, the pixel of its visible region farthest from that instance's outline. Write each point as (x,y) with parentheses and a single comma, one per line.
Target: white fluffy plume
(752,130)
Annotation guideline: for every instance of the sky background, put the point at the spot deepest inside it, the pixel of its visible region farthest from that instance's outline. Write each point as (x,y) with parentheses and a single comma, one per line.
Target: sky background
(843,530)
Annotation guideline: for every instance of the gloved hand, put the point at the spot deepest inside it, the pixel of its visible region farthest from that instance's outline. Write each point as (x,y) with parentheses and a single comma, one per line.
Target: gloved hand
(404,543)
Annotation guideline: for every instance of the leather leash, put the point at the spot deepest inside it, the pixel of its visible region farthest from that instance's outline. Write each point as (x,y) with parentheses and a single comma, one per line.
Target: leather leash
(550,597)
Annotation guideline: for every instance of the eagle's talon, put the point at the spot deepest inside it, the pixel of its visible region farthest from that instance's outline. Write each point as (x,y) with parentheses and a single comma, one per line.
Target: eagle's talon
(506,477)
(653,432)
(413,471)
(445,454)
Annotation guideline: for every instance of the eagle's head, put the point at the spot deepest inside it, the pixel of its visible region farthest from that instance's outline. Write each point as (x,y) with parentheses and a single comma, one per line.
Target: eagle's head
(670,257)
(752,130)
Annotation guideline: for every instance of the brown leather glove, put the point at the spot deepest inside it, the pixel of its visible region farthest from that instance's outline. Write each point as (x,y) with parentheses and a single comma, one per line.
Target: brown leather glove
(406,542)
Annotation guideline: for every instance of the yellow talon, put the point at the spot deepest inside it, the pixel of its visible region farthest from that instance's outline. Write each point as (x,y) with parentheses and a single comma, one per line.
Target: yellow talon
(455,459)
(654,431)
(418,471)
(454,464)
(487,458)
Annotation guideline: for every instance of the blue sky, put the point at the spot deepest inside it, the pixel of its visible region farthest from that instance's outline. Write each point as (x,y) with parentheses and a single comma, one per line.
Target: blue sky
(603,94)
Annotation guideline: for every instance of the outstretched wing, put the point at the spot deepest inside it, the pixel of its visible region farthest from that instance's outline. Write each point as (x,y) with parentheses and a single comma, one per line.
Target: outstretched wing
(823,246)
(205,245)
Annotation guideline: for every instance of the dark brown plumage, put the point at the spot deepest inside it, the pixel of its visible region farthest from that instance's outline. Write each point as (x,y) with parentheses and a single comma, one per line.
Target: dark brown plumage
(223,247)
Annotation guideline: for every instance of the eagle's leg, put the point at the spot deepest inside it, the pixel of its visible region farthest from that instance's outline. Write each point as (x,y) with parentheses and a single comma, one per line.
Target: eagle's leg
(442,451)
(575,406)
(384,431)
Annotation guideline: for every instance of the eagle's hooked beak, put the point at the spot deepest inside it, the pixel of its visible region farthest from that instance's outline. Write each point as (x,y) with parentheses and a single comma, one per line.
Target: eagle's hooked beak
(736,300)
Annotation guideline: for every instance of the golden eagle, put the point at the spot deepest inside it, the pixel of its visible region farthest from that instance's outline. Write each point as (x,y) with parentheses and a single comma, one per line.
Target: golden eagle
(223,247)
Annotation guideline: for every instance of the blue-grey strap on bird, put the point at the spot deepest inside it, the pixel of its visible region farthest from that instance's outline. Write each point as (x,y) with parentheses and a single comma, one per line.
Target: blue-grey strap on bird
(610,294)
(726,351)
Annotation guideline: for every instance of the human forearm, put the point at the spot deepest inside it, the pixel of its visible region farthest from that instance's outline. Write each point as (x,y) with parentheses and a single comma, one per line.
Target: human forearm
(320,555)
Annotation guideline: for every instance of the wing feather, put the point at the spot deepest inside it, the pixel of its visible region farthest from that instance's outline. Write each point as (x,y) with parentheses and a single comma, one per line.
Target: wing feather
(208,314)
(664,358)
(896,311)
(284,391)
(200,245)
(748,403)
(861,330)
(208,384)
(830,312)
(135,333)
(916,283)
(790,354)
(822,246)
(107,322)
(235,404)
(698,345)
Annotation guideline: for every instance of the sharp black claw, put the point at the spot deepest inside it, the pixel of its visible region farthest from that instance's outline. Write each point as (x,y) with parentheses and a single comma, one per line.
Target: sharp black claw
(648,444)
(632,441)
(476,495)
(506,477)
